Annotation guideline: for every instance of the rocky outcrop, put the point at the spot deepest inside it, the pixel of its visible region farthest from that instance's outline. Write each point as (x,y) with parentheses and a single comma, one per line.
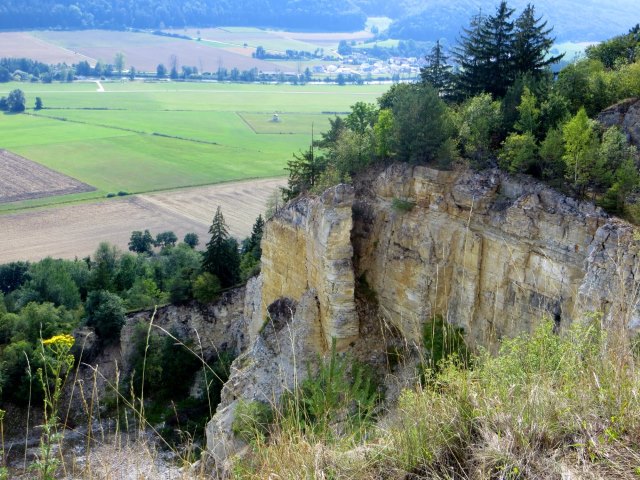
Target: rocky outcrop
(626,115)
(490,252)
(307,247)
(217,327)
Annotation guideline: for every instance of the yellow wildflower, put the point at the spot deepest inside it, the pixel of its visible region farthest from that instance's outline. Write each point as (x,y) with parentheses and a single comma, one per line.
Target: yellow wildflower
(60,340)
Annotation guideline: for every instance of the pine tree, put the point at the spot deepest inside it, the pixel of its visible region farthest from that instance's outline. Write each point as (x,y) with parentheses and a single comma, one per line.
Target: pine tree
(469,57)
(497,39)
(304,171)
(437,72)
(531,44)
(221,258)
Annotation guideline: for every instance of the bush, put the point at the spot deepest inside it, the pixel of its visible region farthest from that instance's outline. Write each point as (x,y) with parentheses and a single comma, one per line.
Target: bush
(401,205)
(206,287)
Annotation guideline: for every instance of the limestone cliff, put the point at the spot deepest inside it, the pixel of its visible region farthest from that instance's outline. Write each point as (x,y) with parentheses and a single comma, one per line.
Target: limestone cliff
(490,252)
(626,115)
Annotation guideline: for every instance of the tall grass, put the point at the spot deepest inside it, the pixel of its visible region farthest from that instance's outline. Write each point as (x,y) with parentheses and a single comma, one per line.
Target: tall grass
(546,406)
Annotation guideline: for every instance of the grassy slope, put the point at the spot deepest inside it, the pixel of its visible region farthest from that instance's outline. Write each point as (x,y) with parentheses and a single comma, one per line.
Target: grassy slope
(115,150)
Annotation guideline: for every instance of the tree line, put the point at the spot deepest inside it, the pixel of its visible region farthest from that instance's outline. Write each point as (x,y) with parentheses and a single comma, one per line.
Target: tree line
(53,296)
(331,15)
(501,107)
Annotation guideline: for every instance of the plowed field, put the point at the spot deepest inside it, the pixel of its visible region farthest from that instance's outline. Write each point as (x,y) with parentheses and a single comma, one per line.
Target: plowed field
(22,179)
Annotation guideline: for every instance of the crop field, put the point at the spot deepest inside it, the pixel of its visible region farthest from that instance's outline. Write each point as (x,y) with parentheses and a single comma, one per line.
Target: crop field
(145,51)
(138,137)
(24,44)
(22,179)
(77,230)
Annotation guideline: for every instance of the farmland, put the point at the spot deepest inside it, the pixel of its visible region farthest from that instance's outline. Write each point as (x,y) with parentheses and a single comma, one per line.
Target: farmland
(77,230)
(141,138)
(138,137)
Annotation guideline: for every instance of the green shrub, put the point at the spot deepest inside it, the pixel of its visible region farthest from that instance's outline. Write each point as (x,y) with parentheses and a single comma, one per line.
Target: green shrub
(402,205)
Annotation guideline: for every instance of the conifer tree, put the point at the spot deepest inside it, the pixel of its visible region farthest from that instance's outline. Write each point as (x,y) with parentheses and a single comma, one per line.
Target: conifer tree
(437,72)
(531,44)
(221,258)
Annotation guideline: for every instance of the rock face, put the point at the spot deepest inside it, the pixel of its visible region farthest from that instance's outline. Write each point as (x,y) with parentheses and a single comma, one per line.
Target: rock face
(307,246)
(490,252)
(626,115)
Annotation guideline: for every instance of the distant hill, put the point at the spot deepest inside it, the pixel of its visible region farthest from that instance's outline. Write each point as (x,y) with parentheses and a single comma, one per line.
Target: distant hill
(573,20)
(324,15)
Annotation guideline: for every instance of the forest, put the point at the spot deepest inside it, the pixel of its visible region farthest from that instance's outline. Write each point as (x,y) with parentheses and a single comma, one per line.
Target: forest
(327,15)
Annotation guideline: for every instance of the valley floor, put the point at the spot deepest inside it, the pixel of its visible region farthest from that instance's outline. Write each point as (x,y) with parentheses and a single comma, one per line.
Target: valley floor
(77,230)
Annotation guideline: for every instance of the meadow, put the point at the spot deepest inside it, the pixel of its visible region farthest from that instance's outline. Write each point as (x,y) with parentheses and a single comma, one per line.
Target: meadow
(139,137)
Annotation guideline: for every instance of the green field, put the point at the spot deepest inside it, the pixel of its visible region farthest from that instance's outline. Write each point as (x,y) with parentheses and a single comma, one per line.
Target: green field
(139,137)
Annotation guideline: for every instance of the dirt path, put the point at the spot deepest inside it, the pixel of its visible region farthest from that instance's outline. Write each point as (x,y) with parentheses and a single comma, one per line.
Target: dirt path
(77,230)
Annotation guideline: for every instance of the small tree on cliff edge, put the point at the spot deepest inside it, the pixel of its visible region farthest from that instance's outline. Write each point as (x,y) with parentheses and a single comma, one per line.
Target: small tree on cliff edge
(221,257)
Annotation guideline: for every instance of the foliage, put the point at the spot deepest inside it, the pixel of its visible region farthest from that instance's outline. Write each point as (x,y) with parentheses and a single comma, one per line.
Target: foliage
(402,205)
(206,287)
(105,312)
(191,239)
(437,72)
(444,342)
(57,363)
(519,153)
(16,101)
(140,242)
(252,420)
(494,51)
(111,14)
(221,258)
(339,388)
(165,239)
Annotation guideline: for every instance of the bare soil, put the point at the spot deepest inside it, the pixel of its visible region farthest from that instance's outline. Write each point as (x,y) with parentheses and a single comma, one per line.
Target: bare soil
(77,230)
(23,44)
(22,179)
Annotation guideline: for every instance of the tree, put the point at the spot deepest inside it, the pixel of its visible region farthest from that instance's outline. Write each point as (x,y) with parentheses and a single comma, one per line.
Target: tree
(422,123)
(344,48)
(519,153)
(383,132)
(437,72)
(221,258)
(362,117)
(251,246)
(206,287)
(38,105)
(140,242)
(103,267)
(161,71)
(132,73)
(481,118)
(580,144)
(105,312)
(16,101)
(531,44)
(529,112)
(118,63)
(191,239)
(304,171)
(166,239)
(483,54)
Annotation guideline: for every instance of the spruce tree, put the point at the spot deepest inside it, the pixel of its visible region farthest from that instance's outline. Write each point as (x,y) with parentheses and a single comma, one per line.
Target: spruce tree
(437,72)
(496,42)
(221,258)
(531,44)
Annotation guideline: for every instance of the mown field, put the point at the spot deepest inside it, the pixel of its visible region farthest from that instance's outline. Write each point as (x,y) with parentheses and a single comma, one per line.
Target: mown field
(139,137)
